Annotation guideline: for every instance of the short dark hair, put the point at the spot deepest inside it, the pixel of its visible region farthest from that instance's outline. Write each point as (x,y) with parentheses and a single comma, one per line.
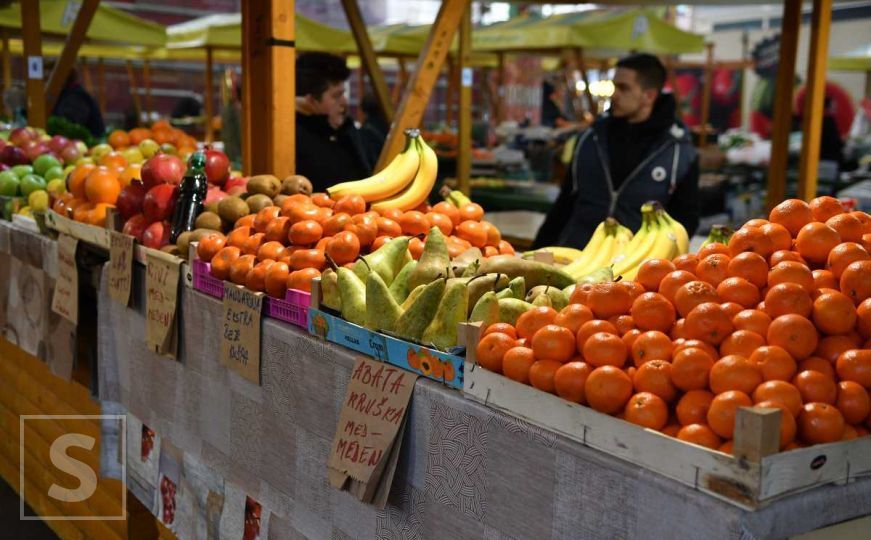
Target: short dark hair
(316,71)
(651,72)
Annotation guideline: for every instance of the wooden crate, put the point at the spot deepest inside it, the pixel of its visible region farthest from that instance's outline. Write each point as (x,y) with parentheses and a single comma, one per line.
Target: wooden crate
(86,233)
(753,478)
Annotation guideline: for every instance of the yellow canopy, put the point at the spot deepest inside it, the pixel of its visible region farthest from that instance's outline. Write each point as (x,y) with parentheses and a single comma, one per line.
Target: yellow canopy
(109,25)
(857,60)
(53,49)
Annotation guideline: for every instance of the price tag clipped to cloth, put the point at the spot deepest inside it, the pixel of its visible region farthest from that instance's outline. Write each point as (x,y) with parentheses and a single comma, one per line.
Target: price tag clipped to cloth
(120,267)
(161,299)
(65,301)
(369,433)
(240,334)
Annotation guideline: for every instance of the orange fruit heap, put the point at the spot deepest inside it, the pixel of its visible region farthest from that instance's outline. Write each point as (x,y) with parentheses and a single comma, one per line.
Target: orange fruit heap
(778,318)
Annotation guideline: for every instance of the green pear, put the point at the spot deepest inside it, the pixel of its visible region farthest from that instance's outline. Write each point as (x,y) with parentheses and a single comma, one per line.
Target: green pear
(412,296)
(433,262)
(536,273)
(387,260)
(511,308)
(465,260)
(381,309)
(399,287)
(568,291)
(600,275)
(412,323)
(442,331)
(330,296)
(516,289)
(542,300)
(558,299)
(352,292)
(483,284)
(486,309)
(472,269)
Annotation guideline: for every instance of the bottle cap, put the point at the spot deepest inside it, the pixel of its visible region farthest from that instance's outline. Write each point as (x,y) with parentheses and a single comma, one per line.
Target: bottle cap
(197,160)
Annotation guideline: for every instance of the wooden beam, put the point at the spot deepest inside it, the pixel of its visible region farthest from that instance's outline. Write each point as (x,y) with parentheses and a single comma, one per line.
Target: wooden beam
(451,92)
(464,114)
(208,90)
(401,81)
(134,91)
(814,100)
(101,85)
(32,42)
(146,81)
(368,58)
(429,65)
(86,75)
(706,96)
(269,87)
(76,36)
(582,67)
(782,121)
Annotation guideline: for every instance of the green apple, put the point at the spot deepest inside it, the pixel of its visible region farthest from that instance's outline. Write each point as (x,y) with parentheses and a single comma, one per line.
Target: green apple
(133,155)
(100,150)
(168,148)
(44,163)
(24,211)
(54,172)
(9,183)
(38,201)
(85,161)
(22,170)
(82,147)
(56,187)
(149,148)
(68,169)
(31,183)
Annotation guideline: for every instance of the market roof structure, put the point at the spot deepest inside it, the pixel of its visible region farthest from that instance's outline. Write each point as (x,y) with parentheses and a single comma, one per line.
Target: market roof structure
(855,60)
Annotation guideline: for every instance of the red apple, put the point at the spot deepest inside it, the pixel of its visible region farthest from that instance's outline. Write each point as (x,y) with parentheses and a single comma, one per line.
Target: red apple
(70,154)
(135,226)
(215,194)
(35,149)
(13,155)
(58,143)
(159,202)
(156,235)
(130,199)
(19,136)
(162,169)
(217,167)
(236,181)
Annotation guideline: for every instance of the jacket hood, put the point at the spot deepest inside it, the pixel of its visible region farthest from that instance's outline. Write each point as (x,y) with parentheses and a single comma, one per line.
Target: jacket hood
(662,118)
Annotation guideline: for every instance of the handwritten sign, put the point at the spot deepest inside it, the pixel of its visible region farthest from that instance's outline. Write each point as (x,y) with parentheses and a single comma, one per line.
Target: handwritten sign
(161,295)
(373,411)
(240,337)
(120,267)
(65,301)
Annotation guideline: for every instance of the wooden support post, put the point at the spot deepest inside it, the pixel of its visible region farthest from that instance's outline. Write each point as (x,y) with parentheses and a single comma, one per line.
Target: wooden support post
(706,96)
(464,114)
(368,58)
(134,91)
(814,100)
(67,60)
(146,81)
(783,102)
(269,90)
(757,433)
(101,85)
(208,90)
(32,38)
(582,67)
(429,64)
(451,92)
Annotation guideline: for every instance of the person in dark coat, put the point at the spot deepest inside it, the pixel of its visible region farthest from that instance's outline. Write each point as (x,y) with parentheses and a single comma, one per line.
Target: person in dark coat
(636,152)
(329,148)
(78,106)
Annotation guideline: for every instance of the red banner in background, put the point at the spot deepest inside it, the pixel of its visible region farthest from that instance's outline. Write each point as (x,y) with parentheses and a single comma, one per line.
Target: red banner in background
(521,89)
(725,97)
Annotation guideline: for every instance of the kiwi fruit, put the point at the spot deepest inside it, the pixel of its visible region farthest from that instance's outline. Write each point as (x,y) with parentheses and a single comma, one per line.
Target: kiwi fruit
(296,183)
(232,208)
(208,220)
(172,249)
(264,183)
(278,200)
(183,242)
(258,202)
(211,206)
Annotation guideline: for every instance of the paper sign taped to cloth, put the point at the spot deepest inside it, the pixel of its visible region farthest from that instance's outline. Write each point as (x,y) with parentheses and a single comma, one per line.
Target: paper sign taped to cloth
(375,405)
(161,299)
(65,301)
(240,331)
(120,267)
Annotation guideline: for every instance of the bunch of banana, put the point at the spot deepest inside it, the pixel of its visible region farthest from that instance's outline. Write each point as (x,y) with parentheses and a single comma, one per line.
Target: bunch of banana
(608,240)
(454,196)
(719,233)
(417,191)
(392,179)
(561,255)
(660,237)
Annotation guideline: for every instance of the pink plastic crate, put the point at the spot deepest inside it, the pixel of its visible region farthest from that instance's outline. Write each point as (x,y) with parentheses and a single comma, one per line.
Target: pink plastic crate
(292,309)
(205,282)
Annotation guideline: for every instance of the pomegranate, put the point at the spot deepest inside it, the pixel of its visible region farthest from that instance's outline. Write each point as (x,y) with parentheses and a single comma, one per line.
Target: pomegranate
(236,182)
(159,202)
(130,199)
(217,167)
(135,226)
(214,194)
(162,169)
(156,235)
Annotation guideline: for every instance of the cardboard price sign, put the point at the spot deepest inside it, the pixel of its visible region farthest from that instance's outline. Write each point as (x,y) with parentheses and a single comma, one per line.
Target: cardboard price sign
(161,296)
(372,415)
(120,267)
(65,301)
(240,337)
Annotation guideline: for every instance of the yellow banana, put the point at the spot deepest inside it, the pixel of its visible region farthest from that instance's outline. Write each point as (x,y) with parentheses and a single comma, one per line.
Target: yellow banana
(680,233)
(590,250)
(606,253)
(389,181)
(636,251)
(664,247)
(561,254)
(419,189)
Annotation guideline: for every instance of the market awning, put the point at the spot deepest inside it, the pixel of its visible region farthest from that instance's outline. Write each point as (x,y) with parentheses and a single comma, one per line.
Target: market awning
(857,60)
(110,25)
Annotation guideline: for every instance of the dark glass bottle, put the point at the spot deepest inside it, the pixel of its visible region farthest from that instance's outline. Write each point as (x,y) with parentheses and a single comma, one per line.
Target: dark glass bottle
(191,195)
